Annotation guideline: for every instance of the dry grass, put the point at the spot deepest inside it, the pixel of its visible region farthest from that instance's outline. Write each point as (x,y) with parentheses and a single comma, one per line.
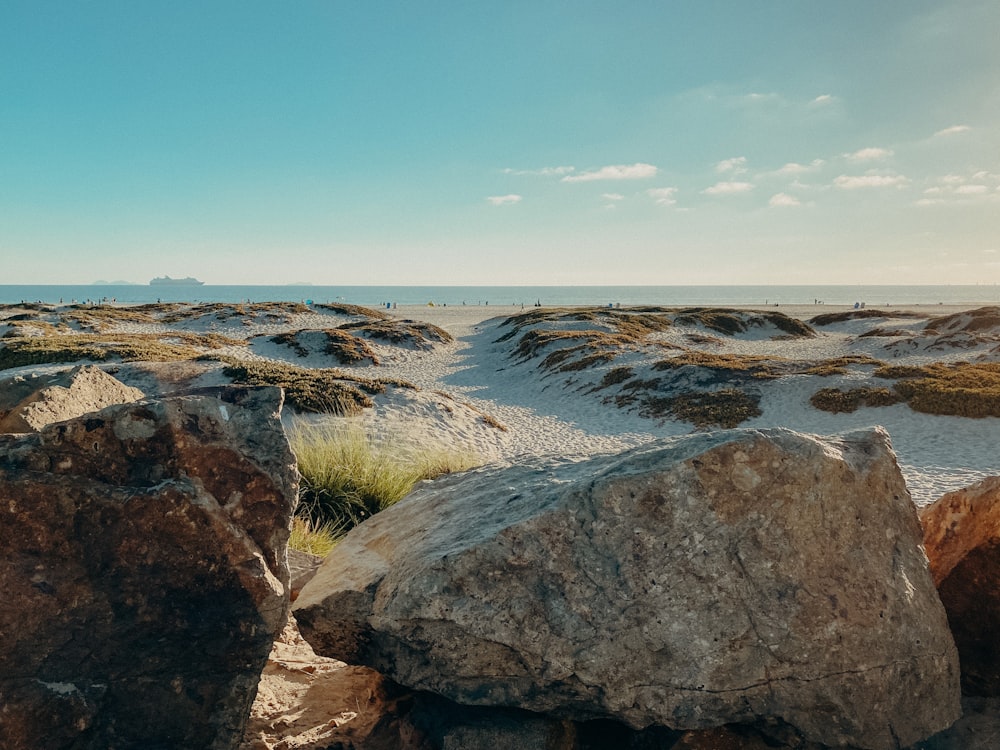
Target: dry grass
(731,322)
(347,477)
(724,408)
(401,332)
(312,390)
(982,319)
(960,389)
(837,401)
(615,376)
(837,365)
(315,537)
(630,322)
(355,311)
(133,347)
(27,306)
(348,349)
(752,365)
(842,317)
(102,317)
(27,325)
(880,332)
(533,342)
(340,345)
(272,312)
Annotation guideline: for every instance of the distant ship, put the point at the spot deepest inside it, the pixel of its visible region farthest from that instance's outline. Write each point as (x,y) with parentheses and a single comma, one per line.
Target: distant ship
(167,281)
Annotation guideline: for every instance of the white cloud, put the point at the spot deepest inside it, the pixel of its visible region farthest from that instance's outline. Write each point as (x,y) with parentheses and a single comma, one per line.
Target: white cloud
(543,172)
(822,99)
(796,168)
(953,179)
(504,200)
(853,182)
(636,171)
(728,188)
(613,196)
(783,199)
(953,130)
(755,97)
(930,202)
(971,189)
(869,154)
(663,196)
(736,165)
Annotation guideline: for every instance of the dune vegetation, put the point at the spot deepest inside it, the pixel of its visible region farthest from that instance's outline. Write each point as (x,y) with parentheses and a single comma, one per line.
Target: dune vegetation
(325,390)
(347,476)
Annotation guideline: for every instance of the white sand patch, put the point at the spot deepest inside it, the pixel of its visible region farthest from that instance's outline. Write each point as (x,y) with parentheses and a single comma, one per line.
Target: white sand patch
(565,413)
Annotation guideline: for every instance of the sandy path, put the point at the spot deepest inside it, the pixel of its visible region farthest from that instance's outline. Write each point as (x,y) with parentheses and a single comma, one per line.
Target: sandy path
(937,454)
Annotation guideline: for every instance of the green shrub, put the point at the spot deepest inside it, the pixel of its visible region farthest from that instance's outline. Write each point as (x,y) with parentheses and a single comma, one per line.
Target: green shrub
(752,365)
(959,389)
(725,408)
(347,477)
(313,537)
(837,401)
(320,391)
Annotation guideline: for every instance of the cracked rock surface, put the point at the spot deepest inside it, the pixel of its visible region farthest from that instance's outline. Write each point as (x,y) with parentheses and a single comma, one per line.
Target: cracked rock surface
(143,571)
(744,576)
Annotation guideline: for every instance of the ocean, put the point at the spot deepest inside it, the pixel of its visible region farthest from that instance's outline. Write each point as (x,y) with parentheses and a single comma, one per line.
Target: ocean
(373,296)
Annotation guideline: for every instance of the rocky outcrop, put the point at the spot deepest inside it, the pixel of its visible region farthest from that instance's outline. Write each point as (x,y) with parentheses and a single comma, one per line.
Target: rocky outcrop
(754,577)
(962,539)
(28,403)
(143,572)
(302,566)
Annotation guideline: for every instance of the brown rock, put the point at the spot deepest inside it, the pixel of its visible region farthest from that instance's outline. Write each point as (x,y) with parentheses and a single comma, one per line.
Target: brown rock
(753,577)
(962,539)
(28,403)
(144,572)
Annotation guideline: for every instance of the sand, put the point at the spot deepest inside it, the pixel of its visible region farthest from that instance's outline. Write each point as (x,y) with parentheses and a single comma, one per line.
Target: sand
(937,454)
(550,413)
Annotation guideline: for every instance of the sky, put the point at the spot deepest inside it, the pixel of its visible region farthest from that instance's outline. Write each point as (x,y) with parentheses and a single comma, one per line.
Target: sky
(515,143)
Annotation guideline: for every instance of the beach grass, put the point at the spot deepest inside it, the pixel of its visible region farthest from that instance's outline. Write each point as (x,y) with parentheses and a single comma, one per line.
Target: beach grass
(347,476)
(731,322)
(959,389)
(325,390)
(838,401)
(316,538)
(726,408)
(19,351)
(412,333)
(342,346)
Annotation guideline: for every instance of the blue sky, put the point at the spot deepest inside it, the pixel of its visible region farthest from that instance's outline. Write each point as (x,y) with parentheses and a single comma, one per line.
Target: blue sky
(501,143)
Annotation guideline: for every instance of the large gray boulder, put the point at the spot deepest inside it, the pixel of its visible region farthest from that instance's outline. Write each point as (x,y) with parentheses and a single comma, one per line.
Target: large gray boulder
(143,572)
(736,577)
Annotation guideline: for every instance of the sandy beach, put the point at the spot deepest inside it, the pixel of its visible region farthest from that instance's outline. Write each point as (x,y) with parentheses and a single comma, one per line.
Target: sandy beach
(937,453)
(534,408)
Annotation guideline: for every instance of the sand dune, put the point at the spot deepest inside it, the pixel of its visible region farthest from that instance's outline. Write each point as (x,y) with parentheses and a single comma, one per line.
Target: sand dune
(491,391)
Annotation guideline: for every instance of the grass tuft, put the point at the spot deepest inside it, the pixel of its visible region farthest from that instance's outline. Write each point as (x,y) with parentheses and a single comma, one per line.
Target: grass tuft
(314,537)
(401,332)
(837,401)
(724,408)
(320,391)
(347,477)
(131,347)
(959,389)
